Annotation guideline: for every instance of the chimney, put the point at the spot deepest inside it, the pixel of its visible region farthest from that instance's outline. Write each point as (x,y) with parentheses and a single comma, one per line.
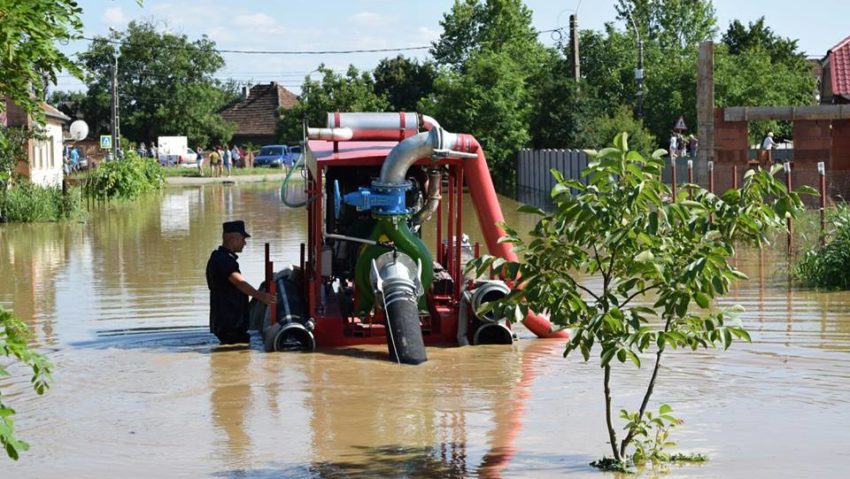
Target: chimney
(246,92)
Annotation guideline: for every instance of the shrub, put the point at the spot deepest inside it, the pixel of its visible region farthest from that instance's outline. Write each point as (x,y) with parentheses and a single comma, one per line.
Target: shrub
(30,203)
(826,266)
(125,179)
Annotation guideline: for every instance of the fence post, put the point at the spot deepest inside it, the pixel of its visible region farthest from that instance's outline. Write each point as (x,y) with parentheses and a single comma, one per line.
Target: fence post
(690,177)
(787,167)
(673,176)
(711,176)
(822,173)
(735,176)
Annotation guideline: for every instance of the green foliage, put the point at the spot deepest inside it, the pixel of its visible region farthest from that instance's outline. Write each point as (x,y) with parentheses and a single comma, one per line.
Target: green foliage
(166,85)
(673,25)
(26,202)
(826,266)
(125,179)
(651,434)
(490,101)
(354,91)
(562,112)
(30,35)
(624,228)
(13,344)
(403,82)
(13,142)
(488,54)
(605,127)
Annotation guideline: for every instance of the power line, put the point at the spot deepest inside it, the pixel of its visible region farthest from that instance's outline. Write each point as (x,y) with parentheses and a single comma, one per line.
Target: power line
(291,52)
(273,52)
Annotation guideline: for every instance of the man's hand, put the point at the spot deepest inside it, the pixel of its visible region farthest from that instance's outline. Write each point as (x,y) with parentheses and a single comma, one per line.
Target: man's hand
(267,298)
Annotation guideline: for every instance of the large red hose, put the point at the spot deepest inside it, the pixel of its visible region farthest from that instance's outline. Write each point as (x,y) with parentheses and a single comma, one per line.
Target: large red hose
(486,204)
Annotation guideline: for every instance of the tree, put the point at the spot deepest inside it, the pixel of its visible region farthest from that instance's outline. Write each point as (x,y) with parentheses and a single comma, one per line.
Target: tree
(488,53)
(562,111)
(29,32)
(757,35)
(496,25)
(354,91)
(674,25)
(165,85)
(602,128)
(660,264)
(490,101)
(403,82)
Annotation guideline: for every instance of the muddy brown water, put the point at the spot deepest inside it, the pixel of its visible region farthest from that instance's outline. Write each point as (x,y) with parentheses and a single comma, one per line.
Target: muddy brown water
(141,389)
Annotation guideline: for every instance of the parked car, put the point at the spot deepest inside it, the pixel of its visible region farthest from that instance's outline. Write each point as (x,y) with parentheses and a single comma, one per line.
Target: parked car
(276,156)
(188,158)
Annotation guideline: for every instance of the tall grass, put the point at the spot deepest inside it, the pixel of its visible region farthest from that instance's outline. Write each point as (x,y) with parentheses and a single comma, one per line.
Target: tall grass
(29,203)
(827,266)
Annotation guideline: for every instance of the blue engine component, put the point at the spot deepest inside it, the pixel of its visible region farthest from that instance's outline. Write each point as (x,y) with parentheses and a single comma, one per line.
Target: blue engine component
(382,199)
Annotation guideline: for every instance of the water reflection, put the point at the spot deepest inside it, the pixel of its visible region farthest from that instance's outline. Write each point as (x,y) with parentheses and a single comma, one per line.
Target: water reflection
(122,302)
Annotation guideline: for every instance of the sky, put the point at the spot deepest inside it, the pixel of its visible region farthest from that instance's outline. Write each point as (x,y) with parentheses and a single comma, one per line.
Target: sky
(309,25)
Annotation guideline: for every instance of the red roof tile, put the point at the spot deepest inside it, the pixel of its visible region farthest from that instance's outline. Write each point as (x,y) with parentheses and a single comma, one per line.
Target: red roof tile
(257,114)
(839,67)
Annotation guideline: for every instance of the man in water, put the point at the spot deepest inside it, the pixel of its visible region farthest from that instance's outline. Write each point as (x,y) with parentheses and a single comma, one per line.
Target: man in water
(229,290)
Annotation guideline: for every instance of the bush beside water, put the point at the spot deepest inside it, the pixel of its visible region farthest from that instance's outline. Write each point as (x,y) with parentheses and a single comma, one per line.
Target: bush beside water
(29,203)
(827,266)
(125,179)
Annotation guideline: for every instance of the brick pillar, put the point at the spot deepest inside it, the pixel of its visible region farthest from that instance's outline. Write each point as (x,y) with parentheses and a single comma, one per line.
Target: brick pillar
(838,169)
(730,148)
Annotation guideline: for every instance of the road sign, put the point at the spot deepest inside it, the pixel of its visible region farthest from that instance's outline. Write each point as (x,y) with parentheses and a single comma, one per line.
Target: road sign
(105,142)
(680,124)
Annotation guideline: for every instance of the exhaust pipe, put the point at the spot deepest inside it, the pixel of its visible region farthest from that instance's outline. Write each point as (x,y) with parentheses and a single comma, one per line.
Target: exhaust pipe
(395,279)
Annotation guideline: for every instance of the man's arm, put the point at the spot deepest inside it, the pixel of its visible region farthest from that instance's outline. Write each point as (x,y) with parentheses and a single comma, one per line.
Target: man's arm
(242,285)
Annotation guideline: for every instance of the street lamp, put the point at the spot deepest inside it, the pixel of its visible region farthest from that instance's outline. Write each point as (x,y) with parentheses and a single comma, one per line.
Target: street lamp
(639,69)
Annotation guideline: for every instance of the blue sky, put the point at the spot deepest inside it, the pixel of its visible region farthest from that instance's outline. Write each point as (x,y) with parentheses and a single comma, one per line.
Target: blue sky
(298,25)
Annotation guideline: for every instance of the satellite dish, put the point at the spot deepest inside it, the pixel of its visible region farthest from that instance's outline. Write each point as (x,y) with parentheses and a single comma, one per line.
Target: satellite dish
(79,130)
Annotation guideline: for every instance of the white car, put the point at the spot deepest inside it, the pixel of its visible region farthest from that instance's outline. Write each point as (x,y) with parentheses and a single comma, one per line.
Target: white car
(188,159)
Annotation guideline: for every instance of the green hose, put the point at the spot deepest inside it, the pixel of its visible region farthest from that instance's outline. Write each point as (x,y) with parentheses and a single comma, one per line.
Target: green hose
(285,184)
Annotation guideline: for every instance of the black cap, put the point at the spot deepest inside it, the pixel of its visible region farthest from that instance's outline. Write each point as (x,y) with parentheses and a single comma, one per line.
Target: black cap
(235,227)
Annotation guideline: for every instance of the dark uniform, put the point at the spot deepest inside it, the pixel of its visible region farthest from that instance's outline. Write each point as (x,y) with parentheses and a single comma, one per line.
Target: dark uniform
(228,305)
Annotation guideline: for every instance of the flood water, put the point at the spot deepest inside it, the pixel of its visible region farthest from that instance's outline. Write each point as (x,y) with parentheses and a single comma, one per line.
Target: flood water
(142,390)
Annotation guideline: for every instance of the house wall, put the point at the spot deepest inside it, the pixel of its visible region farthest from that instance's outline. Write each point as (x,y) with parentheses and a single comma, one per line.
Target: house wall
(46,157)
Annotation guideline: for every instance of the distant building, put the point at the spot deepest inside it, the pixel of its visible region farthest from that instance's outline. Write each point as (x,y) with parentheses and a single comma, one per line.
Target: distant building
(256,113)
(44,157)
(835,83)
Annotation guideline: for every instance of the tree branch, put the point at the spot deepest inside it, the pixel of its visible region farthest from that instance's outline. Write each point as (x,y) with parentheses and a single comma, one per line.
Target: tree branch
(612,435)
(649,389)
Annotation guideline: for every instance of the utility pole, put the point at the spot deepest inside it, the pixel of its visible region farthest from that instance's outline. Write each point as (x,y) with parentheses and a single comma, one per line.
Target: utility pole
(574,48)
(116,129)
(639,69)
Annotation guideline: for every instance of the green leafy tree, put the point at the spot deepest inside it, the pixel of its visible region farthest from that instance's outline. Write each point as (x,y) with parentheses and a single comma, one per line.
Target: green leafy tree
(489,100)
(562,111)
(29,33)
(674,25)
(660,263)
(603,128)
(756,67)
(13,343)
(354,91)
(488,54)
(165,85)
(403,82)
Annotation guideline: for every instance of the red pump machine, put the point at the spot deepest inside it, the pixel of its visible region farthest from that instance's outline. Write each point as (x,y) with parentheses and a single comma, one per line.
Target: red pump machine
(374,181)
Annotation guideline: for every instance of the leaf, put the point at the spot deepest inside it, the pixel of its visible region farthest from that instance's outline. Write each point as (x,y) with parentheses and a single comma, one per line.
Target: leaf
(702,299)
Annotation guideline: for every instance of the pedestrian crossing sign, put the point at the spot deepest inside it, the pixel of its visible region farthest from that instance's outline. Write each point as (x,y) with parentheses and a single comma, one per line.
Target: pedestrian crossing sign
(680,124)
(105,142)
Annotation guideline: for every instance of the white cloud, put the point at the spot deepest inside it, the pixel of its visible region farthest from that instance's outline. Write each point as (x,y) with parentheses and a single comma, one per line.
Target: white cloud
(255,20)
(115,17)
(371,20)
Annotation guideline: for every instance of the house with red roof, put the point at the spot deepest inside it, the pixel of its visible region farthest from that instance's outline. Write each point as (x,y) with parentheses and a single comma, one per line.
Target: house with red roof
(835,85)
(256,114)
